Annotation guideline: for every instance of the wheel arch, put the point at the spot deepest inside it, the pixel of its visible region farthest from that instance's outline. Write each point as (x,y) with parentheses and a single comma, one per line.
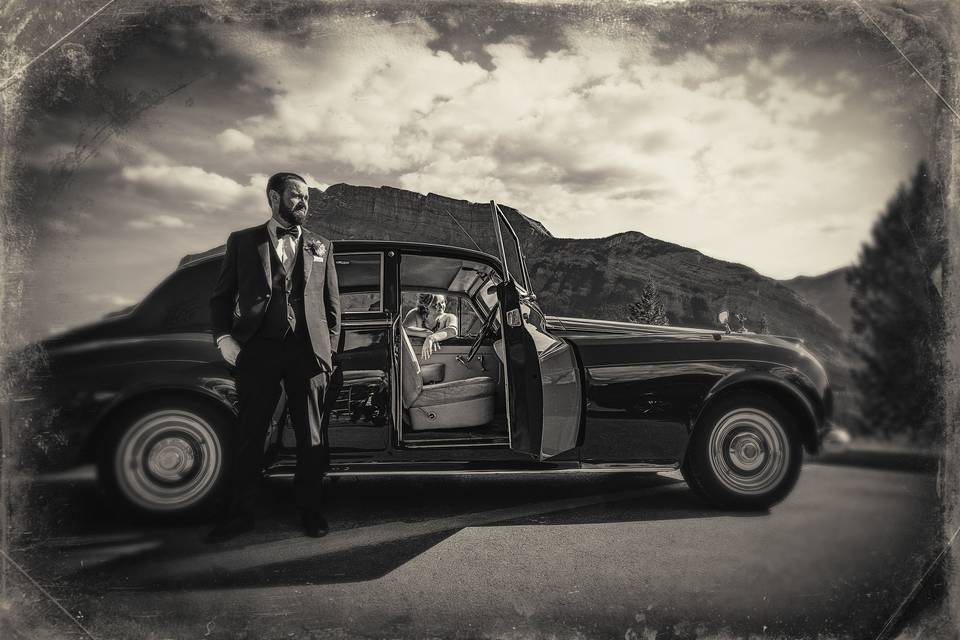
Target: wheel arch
(792,399)
(214,400)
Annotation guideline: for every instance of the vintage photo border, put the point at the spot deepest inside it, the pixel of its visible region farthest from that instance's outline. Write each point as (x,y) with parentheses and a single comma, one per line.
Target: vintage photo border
(23,56)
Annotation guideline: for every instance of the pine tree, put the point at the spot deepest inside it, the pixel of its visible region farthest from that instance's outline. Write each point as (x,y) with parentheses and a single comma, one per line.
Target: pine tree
(898,320)
(649,308)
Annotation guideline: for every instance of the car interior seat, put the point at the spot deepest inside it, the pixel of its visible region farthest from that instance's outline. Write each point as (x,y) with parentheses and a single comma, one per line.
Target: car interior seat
(446,405)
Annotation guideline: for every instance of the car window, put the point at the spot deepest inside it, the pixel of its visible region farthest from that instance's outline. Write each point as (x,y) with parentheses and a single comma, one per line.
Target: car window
(470,322)
(512,255)
(456,279)
(361,282)
(458,304)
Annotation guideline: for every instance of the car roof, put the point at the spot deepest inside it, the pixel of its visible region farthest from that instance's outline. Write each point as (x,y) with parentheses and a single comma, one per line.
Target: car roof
(216,253)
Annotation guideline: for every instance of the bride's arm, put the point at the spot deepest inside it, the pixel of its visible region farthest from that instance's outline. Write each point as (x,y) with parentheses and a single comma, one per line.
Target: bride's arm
(411,325)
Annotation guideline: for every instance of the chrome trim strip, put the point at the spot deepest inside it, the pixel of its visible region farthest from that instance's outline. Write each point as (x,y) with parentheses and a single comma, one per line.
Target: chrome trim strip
(693,360)
(457,444)
(493,472)
(628,466)
(134,340)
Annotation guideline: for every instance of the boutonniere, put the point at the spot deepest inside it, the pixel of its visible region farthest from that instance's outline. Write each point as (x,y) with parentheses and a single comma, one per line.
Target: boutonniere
(317,249)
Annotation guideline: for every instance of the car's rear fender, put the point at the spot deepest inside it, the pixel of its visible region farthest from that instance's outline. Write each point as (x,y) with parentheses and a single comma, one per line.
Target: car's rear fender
(219,393)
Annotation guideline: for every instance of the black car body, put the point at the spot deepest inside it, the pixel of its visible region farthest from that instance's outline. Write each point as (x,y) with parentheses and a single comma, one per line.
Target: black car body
(146,394)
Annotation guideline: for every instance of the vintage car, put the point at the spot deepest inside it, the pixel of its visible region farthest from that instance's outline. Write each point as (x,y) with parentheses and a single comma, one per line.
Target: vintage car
(145,394)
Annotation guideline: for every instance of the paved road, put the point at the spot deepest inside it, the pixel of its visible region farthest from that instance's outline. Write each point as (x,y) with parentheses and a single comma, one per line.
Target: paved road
(599,555)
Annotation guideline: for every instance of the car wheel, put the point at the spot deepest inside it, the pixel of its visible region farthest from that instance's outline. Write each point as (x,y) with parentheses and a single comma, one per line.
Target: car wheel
(166,459)
(744,453)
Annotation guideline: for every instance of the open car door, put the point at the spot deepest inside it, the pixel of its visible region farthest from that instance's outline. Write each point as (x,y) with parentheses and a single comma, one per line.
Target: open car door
(543,386)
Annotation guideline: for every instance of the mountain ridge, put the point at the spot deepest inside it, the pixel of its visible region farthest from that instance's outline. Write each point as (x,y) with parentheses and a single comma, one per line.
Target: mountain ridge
(587,277)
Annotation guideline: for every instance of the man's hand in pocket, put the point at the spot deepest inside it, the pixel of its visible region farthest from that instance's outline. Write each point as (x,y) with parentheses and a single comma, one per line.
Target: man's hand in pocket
(229,349)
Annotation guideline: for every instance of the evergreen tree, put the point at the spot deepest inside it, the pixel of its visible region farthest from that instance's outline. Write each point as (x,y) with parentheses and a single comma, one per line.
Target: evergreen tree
(763,328)
(649,308)
(898,320)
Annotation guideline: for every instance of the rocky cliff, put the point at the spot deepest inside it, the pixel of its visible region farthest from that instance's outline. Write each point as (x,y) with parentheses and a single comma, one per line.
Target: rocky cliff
(596,278)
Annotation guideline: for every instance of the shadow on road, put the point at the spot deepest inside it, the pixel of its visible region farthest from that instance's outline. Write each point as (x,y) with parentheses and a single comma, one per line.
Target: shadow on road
(377,525)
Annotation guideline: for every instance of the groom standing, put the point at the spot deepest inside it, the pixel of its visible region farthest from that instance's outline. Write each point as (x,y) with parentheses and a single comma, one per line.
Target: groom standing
(276,317)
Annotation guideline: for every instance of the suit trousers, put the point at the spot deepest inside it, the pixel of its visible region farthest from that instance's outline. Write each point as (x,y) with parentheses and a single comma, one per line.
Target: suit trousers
(262,365)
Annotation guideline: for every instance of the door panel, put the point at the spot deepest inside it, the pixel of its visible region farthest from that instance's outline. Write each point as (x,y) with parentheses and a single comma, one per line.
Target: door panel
(524,390)
(484,364)
(562,399)
(544,389)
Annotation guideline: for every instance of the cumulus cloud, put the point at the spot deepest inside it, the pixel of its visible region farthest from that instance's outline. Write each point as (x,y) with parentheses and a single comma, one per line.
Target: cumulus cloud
(559,135)
(689,147)
(192,185)
(164,221)
(232,140)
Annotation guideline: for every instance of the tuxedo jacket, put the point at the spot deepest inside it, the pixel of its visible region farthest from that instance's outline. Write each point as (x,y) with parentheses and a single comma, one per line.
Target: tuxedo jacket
(242,293)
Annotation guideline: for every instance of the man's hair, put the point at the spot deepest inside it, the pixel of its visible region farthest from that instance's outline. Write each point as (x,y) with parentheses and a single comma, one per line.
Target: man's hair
(278,180)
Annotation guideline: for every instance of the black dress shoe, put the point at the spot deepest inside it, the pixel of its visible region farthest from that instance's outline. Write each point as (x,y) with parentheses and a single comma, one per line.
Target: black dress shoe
(314,524)
(229,529)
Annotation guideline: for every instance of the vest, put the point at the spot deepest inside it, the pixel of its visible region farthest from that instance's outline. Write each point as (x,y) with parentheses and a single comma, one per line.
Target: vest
(285,312)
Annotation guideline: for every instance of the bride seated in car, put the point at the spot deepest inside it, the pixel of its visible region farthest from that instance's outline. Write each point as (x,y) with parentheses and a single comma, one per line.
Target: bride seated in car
(429,321)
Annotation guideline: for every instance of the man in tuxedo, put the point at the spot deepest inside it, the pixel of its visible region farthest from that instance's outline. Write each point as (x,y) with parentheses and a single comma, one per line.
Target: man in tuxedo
(276,317)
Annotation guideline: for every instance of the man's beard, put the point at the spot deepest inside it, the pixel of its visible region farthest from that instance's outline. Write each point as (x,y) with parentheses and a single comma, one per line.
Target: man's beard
(296,216)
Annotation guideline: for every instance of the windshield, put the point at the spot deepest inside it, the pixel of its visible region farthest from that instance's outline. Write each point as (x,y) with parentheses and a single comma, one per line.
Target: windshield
(500,240)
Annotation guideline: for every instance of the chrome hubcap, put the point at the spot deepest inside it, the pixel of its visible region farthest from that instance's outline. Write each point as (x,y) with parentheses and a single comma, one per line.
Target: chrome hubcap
(168,460)
(748,451)
(171,459)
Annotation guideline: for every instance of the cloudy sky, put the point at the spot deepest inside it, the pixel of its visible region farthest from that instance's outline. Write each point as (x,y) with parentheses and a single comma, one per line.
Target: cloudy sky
(772,143)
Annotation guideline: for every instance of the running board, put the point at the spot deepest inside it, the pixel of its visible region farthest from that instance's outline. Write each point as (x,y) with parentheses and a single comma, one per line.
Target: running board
(446,442)
(620,468)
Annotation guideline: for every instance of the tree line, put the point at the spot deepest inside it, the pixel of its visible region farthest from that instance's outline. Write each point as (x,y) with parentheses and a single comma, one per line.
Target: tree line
(897,316)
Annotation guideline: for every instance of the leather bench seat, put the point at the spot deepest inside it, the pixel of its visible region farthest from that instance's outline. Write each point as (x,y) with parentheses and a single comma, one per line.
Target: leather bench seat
(455,391)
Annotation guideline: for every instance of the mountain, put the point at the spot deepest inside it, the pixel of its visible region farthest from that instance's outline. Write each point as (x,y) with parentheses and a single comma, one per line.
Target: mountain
(828,292)
(593,278)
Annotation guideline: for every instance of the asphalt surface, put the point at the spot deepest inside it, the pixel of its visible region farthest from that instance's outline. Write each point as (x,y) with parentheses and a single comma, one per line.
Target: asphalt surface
(590,555)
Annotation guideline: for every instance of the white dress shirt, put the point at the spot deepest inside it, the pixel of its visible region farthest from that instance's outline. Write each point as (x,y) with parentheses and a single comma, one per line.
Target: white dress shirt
(287,246)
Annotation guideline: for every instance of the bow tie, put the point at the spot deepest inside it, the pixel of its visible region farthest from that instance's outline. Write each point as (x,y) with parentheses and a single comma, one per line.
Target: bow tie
(294,232)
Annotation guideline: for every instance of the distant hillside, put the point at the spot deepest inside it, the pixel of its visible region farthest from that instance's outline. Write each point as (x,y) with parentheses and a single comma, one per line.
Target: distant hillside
(829,292)
(588,277)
